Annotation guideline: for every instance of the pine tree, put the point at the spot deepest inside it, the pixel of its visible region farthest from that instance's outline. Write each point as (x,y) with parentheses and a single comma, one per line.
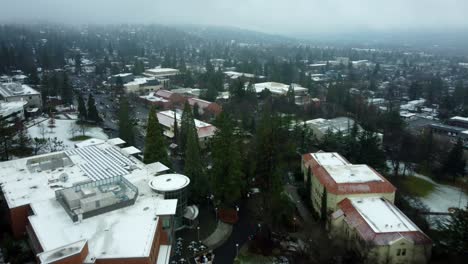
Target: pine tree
(66,91)
(185,121)
(93,114)
(196,111)
(176,129)
(155,145)
(125,123)
(309,184)
(454,165)
(291,95)
(323,209)
(193,167)
(227,172)
(82,113)
(7,133)
(455,233)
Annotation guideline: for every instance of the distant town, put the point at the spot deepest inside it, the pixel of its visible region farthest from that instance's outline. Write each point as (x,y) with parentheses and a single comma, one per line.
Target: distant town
(165,145)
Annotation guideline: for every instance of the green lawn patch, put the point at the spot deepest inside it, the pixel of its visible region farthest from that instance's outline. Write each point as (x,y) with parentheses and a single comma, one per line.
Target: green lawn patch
(417,186)
(80,138)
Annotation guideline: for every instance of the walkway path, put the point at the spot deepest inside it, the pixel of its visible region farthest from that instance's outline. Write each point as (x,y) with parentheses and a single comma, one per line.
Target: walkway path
(219,236)
(303,210)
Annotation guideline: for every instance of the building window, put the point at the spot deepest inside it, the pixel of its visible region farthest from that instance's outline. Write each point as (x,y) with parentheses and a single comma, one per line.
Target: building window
(401,252)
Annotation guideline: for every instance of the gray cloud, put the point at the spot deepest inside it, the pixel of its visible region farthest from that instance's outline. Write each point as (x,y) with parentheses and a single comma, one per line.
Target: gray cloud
(276,16)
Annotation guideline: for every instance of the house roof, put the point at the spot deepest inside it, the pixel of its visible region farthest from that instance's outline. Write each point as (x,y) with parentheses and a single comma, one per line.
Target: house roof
(340,177)
(378,221)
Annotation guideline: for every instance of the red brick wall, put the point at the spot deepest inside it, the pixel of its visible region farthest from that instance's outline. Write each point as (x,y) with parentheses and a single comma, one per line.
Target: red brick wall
(75,259)
(18,220)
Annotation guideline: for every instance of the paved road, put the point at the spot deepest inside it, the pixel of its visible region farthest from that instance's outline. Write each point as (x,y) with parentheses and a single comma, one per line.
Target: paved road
(226,253)
(303,210)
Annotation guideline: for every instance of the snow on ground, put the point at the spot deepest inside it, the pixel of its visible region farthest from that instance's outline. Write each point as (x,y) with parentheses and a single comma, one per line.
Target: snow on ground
(62,132)
(443,197)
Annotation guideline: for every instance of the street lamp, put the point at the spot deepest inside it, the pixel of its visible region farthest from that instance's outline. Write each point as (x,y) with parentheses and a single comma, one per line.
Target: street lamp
(216,212)
(294,223)
(198,232)
(237,250)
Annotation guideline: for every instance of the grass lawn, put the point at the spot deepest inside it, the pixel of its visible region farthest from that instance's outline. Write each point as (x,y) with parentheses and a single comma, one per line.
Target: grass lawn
(417,186)
(80,138)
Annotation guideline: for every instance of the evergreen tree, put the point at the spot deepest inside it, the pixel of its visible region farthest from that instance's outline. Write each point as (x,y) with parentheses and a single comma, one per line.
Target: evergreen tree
(82,113)
(66,91)
(7,133)
(125,123)
(93,114)
(309,183)
(78,63)
(193,167)
(196,111)
(226,172)
(323,208)
(185,122)
(176,129)
(454,165)
(23,143)
(291,95)
(455,233)
(155,145)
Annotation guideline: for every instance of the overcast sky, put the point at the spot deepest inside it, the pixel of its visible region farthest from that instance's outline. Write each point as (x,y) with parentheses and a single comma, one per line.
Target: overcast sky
(274,16)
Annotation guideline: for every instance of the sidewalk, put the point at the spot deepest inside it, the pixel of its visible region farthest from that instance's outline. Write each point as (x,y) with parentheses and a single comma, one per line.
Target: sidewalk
(219,236)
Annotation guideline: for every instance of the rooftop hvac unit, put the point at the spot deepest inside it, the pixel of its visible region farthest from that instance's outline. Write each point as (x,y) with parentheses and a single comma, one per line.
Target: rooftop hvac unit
(63,177)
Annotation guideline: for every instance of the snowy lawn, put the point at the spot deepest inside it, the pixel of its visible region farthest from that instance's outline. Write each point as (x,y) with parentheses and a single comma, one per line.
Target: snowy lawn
(63,131)
(417,186)
(442,197)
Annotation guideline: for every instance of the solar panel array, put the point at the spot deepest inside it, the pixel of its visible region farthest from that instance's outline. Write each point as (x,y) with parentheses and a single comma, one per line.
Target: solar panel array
(102,163)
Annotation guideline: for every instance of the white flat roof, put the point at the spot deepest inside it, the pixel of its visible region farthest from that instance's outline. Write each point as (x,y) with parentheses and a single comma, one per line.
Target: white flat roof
(115,141)
(122,233)
(131,150)
(89,142)
(169,182)
(329,158)
(382,216)
(459,118)
(352,173)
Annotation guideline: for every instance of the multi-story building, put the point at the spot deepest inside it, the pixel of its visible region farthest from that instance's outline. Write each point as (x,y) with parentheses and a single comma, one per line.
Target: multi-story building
(333,179)
(11,111)
(91,204)
(14,92)
(379,232)
(205,131)
(321,126)
(161,72)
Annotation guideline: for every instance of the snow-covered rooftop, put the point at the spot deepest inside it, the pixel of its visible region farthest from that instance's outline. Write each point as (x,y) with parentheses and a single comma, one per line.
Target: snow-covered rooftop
(125,232)
(277,88)
(16,89)
(459,118)
(329,158)
(8,108)
(166,118)
(161,72)
(352,173)
(382,216)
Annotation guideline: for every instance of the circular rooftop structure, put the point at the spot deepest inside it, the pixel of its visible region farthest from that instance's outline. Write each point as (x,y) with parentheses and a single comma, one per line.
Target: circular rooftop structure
(169,182)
